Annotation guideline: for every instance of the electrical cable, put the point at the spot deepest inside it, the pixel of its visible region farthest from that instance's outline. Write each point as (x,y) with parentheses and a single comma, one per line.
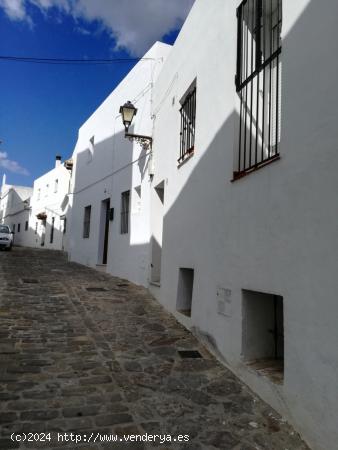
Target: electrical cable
(65,61)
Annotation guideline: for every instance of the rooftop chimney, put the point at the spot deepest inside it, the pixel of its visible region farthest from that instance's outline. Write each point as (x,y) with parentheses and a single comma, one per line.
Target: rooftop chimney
(57,161)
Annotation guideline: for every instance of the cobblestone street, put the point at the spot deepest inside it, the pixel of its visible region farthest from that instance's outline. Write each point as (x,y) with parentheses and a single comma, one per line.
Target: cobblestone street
(84,352)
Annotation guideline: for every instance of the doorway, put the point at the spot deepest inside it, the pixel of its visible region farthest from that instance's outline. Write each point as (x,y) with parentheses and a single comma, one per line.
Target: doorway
(104,232)
(156,240)
(43,232)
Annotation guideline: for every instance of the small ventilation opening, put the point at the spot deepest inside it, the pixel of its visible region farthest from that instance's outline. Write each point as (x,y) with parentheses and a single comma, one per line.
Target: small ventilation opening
(185,291)
(263,333)
(30,280)
(96,289)
(189,354)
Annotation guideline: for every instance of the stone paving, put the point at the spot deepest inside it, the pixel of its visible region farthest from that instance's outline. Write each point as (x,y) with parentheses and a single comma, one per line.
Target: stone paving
(84,352)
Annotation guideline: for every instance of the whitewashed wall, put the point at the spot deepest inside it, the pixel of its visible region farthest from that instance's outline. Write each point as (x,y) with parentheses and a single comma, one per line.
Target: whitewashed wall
(274,231)
(53,201)
(14,207)
(111,166)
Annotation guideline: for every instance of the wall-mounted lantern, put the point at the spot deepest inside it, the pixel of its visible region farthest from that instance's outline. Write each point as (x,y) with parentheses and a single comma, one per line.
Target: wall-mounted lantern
(128,112)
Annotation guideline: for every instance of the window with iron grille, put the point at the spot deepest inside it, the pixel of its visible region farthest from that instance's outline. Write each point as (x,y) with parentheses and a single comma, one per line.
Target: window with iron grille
(86,221)
(258,83)
(125,200)
(188,120)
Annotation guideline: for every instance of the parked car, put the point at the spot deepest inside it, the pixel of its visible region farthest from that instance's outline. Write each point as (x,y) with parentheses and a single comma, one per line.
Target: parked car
(6,237)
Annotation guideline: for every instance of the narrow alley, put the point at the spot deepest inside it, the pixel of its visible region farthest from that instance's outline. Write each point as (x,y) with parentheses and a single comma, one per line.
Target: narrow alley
(87,353)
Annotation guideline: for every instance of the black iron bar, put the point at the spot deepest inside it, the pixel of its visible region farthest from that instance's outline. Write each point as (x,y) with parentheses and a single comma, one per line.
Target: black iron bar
(239,76)
(246,91)
(264,56)
(265,64)
(252,83)
(270,82)
(258,50)
(277,82)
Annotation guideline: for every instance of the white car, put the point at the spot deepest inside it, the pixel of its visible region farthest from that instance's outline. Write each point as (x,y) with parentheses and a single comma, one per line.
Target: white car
(6,237)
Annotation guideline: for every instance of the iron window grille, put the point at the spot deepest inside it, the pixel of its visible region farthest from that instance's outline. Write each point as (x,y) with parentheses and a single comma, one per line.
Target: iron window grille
(188,122)
(258,83)
(86,221)
(125,200)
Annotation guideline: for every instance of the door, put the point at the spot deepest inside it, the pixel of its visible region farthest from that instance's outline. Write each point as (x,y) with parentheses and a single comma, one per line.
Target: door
(106,205)
(43,232)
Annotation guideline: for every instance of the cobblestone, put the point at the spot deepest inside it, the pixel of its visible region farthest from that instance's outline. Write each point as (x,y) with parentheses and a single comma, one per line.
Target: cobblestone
(85,352)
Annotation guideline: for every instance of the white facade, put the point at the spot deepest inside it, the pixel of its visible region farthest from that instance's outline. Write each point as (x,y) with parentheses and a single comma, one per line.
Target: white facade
(15,210)
(106,165)
(49,209)
(38,215)
(234,246)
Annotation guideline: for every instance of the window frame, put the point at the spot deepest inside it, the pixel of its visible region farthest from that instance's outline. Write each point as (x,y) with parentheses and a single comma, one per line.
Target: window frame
(265,52)
(188,123)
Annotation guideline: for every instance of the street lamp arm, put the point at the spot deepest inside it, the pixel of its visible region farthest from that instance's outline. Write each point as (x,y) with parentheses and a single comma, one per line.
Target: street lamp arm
(144,141)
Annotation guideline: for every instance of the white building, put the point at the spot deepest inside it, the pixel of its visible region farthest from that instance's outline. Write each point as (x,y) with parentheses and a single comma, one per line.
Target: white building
(38,215)
(248,258)
(15,210)
(110,196)
(50,208)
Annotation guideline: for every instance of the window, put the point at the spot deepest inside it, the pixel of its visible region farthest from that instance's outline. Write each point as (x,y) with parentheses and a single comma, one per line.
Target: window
(47,189)
(125,199)
(36,228)
(185,291)
(258,83)
(39,194)
(86,221)
(188,119)
(263,333)
(56,186)
(52,231)
(19,227)
(26,225)
(91,149)
(65,225)
(13,227)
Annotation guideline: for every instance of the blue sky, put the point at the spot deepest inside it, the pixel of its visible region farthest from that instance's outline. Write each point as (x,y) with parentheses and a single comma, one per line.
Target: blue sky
(43,106)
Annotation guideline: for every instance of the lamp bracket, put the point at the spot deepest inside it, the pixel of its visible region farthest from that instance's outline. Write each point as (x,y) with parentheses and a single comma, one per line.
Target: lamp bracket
(144,141)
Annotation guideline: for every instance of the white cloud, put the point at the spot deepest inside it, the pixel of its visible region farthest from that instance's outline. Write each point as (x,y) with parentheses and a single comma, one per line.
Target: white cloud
(12,166)
(133,24)
(15,9)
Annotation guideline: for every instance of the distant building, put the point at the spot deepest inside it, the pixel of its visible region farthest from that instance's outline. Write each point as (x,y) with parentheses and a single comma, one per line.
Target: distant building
(49,207)
(38,215)
(15,210)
